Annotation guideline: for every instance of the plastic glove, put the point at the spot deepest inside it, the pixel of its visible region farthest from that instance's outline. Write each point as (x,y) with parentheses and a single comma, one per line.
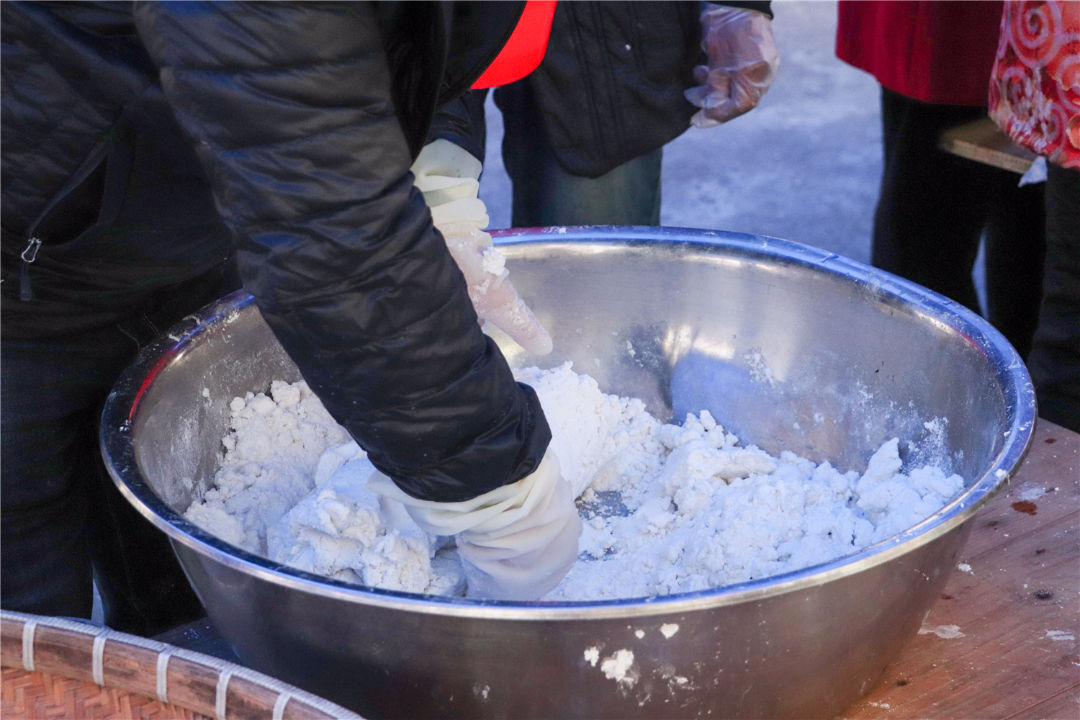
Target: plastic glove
(516,542)
(743,61)
(448,176)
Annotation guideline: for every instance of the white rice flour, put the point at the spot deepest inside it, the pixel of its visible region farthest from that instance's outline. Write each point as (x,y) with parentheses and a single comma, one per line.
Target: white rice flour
(666,508)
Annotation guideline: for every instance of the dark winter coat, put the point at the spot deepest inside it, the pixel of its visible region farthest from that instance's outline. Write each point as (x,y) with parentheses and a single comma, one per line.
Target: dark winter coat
(611,85)
(306,118)
(103,200)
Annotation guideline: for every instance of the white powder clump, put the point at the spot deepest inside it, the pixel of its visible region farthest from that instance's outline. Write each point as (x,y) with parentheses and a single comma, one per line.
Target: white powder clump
(620,667)
(340,530)
(291,488)
(271,454)
(493,262)
(667,508)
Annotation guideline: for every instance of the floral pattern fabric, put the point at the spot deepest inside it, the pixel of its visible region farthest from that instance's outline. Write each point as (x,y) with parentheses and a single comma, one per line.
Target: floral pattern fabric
(1035,85)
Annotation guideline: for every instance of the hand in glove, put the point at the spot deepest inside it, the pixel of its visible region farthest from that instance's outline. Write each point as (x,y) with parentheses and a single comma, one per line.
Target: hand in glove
(743,61)
(516,542)
(448,176)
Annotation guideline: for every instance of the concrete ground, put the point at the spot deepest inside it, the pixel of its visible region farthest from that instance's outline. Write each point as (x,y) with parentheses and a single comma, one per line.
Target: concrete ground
(803,166)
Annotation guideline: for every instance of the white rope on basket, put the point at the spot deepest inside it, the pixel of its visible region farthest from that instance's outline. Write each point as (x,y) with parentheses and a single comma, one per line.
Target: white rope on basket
(163,675)
(279,706)
(28,644)
(222,693)
(225,669)
(164,652)
(286,693)
(100,635)
(97,664)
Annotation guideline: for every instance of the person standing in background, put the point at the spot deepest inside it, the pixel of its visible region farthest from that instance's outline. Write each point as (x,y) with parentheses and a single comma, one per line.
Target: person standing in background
(1034,96)
(933,62)
(307,116)
(110,236)
(584,133)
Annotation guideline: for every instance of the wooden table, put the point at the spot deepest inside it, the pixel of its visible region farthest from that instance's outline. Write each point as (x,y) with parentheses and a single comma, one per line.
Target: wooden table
(1002,640)
(1001,643)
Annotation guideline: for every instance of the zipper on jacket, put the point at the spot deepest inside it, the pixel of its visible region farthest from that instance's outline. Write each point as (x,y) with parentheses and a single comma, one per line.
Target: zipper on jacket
(28,256)
(29,253)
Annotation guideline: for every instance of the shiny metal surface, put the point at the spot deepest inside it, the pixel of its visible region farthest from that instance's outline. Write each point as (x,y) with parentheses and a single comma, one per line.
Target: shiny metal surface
(790,347)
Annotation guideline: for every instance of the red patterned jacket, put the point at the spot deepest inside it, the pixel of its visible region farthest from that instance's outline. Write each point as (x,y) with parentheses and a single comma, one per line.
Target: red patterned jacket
(1035,83)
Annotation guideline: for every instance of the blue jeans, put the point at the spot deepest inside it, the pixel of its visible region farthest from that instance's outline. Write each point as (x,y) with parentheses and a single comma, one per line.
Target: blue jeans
(64,523)
(546,194)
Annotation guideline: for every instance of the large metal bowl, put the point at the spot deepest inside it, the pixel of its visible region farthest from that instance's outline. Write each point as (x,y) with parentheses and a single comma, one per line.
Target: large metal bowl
(790,347)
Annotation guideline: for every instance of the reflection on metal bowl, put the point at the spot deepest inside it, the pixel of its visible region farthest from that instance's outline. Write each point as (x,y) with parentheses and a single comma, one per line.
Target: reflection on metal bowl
(789,347)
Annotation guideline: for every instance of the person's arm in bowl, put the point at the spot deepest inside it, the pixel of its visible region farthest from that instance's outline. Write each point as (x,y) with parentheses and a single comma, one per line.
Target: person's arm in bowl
(310,170)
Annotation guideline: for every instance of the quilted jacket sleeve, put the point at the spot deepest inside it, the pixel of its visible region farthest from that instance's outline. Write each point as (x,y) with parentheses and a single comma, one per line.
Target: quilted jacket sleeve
(462,122)
(291,111)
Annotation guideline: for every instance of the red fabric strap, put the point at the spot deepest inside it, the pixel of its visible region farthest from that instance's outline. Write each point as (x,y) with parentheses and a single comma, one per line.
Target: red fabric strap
(525,48)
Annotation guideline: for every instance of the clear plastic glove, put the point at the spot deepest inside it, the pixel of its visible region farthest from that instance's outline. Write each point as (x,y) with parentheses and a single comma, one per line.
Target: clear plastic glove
(743,61)
(448,176)
(516,542)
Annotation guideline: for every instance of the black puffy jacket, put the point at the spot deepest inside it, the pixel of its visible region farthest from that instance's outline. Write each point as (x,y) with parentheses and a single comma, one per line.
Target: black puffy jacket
(103,200)
(611,85)
(307,117)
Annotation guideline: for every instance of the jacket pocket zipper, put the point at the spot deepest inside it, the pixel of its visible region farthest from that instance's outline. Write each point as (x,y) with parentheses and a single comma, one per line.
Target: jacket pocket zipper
(29,253)
(28,256)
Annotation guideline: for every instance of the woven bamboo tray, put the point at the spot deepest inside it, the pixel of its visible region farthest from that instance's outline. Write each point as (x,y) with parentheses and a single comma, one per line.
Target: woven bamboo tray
(56,668)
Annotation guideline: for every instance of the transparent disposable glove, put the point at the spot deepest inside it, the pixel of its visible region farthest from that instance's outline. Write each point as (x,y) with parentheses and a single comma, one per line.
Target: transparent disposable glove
(743,61)
(448,176)
(516,542)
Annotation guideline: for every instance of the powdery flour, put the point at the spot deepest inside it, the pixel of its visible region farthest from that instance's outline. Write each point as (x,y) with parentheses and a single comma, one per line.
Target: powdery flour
(666,508)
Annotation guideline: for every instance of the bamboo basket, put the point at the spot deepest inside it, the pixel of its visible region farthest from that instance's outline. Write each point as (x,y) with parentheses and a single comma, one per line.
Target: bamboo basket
(56,668)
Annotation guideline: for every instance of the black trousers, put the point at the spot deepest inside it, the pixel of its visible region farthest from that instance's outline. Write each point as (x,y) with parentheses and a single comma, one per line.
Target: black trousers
(1054,361)
(64,523)
(934,207)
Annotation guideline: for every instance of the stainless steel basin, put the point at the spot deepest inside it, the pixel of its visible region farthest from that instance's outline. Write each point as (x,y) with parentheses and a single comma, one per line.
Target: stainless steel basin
(790,347)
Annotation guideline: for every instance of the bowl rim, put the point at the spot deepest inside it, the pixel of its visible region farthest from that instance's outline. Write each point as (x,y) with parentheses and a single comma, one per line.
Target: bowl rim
(123,404)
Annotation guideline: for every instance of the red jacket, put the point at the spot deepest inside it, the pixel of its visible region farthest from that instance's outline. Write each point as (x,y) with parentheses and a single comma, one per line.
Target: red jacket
(936,52)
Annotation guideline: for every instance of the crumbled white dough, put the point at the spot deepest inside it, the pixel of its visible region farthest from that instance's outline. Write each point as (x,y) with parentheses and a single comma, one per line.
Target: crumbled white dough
(291,488)
(620,667)
(493,262)
(1032,493)
(666,508)
(945,632)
